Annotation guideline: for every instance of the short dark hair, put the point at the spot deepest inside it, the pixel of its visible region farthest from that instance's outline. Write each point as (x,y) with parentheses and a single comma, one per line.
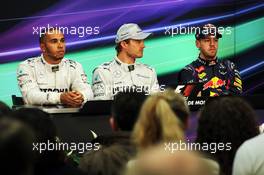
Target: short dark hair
(125,108)
(44,31)
(118,46)
(207,30)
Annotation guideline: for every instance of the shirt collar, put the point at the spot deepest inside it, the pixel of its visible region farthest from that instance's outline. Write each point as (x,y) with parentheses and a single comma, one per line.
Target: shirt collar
(126,67)
(51,67)
(208,62)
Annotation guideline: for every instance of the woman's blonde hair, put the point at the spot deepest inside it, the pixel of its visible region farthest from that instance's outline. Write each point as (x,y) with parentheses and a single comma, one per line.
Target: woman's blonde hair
(158,119)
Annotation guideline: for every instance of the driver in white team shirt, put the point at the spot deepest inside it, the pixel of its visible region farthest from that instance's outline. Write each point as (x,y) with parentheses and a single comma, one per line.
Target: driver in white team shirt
(50,78)
(123,72)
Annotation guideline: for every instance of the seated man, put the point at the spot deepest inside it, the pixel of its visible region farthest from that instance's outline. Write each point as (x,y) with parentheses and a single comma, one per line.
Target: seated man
(122,73)
(50,78)
(219,77)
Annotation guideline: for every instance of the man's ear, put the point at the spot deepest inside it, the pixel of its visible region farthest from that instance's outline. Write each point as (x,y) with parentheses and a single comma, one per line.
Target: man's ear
(113,123)
(198,43)
(42,47)
(123,44)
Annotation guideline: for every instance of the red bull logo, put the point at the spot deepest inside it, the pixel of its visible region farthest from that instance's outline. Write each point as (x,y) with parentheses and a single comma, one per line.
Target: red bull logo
(214,83)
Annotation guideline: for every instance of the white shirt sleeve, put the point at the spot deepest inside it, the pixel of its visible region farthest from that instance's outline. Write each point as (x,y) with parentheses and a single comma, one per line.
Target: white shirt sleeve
(30,89)
(102,84)
(80,83)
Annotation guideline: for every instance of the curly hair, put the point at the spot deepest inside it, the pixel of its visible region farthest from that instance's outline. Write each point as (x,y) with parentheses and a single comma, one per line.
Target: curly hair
(226,120)
(162,118)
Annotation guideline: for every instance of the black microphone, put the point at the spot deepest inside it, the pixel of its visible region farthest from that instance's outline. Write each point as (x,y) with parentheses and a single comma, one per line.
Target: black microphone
(55,68)
(131,68)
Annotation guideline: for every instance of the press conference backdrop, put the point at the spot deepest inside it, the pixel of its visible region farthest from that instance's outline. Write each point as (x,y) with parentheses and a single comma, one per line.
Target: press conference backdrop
(90,28)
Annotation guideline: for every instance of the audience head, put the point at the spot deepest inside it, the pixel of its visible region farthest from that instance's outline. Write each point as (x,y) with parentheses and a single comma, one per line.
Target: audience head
(163,117)
(39,121)
(4,109)
(45,131)
(17,157)
(158,161)
(227,120)
(125,109)
(105,161)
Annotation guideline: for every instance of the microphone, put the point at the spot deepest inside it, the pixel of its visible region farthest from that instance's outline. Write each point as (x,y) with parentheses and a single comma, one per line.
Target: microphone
(55,68)
(131,68)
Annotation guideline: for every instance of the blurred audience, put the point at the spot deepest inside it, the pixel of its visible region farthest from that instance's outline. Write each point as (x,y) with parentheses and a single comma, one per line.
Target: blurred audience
(249,158)
(105,161)
(48,162)
(163,118)
(4,109)
(143,124)
(226,120)
(125,109)
(158,161)
(17,157)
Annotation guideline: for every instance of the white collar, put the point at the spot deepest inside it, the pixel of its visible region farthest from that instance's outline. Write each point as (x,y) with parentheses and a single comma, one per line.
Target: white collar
(51,67)
(126,67)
